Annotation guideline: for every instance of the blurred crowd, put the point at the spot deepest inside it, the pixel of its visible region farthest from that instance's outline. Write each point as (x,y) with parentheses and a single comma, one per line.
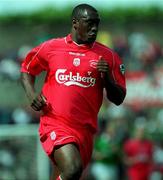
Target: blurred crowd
(17,160)
(129,141)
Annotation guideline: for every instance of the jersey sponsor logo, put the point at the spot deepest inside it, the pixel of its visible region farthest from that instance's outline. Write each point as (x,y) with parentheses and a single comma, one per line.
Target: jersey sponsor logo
(93,63)
(74,79)
(76,61)
(122,68)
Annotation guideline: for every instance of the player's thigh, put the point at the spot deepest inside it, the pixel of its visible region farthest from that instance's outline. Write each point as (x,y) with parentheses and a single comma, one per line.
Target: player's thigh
(67,156)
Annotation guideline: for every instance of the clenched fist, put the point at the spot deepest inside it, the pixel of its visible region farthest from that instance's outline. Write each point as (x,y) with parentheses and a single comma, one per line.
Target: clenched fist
(38,102)
(103,67)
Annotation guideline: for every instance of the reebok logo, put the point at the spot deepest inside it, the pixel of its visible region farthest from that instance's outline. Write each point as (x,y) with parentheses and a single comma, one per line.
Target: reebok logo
(70,79)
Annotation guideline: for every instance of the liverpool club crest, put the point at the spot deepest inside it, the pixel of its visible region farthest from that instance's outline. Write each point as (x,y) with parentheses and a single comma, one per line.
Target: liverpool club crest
(76,61)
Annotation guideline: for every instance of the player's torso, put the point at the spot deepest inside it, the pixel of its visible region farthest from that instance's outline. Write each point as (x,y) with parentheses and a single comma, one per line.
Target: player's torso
(73,85)
(71,67)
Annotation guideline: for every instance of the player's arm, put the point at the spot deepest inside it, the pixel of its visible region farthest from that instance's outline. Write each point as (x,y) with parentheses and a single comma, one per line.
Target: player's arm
(115,93)
(37,102)
(33,64)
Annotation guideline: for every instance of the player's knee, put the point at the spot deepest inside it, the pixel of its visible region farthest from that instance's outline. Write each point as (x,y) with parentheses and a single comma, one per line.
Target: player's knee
(73,172)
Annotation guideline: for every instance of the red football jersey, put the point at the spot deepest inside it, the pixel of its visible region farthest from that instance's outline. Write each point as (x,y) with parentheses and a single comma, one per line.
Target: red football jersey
(73,86)
(142,150)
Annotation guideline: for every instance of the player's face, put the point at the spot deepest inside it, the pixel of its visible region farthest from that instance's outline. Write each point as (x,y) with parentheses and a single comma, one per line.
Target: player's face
(87,27)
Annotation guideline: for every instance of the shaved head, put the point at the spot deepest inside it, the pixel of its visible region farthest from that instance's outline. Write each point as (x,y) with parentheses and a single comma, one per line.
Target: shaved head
(80,10)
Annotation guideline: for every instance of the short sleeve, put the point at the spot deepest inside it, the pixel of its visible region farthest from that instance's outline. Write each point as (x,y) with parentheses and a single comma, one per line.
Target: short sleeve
(118,71)
(35,61)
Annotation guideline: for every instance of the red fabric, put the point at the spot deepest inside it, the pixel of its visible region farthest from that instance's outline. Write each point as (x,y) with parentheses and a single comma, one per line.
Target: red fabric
(53,136)
(73,86)
(142,150)
(58,178)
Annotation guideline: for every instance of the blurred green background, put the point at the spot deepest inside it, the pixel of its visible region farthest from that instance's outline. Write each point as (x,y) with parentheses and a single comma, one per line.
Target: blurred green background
(132,28)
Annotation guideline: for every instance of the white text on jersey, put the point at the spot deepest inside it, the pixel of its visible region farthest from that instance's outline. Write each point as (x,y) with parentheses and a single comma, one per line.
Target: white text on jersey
(77,80)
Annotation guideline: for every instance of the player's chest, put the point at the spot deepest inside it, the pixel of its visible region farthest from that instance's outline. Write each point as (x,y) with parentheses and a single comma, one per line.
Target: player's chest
(73,61)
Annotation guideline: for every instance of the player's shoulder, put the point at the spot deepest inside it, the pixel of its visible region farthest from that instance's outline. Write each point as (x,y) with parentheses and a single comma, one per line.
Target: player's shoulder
(107,52)
(103,48)
(55,41)
(49,44)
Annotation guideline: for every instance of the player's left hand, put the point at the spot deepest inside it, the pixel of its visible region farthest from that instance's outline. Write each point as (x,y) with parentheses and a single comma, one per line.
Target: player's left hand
(103,67)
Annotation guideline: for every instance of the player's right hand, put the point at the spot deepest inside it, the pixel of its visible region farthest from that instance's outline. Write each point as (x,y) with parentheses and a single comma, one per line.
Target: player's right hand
(38,102)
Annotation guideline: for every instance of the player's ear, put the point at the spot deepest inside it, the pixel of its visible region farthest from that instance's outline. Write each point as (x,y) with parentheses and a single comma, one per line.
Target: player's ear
(75,23)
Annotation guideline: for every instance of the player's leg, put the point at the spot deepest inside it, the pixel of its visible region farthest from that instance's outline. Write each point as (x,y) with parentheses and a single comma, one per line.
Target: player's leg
(68,161)
(55,172)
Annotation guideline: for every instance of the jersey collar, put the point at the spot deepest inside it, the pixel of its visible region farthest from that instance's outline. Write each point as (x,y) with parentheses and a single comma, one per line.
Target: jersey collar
(74,44)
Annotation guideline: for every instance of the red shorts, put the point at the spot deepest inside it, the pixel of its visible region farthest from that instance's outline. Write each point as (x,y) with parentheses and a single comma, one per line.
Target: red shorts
(54,133)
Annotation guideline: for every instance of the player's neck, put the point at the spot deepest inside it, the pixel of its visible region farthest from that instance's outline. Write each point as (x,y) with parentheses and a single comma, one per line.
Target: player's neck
(76,40)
